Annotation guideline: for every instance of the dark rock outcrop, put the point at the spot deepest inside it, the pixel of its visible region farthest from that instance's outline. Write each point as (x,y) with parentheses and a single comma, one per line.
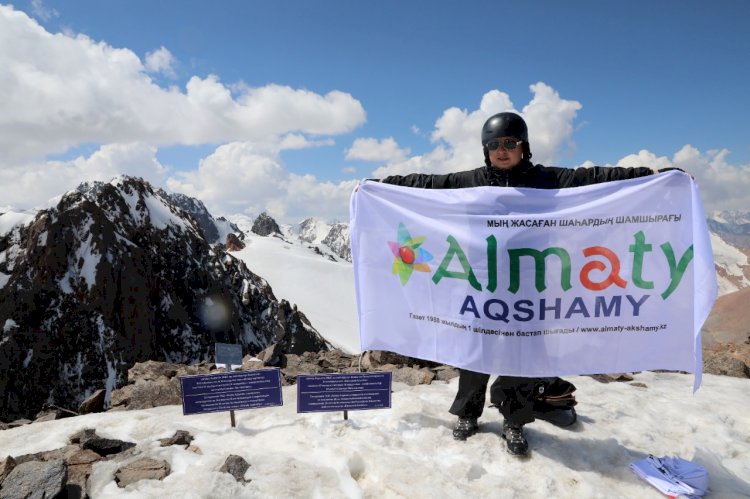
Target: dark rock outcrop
(264,225)
(105,446)
(153,384)
(117,275)
(197,211)
(233,242)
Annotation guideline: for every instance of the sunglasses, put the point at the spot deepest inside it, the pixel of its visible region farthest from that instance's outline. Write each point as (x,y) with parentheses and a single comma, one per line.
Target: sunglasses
(507,144)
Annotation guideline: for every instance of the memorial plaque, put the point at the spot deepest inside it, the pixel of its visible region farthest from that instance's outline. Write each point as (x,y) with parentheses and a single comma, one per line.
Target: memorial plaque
(231,391)
(343,391)
(229,354)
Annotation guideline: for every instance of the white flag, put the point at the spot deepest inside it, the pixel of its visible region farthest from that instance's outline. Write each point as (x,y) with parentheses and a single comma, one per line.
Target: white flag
(612,277)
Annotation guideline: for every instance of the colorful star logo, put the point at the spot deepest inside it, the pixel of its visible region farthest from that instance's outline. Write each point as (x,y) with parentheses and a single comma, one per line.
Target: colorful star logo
(408,255)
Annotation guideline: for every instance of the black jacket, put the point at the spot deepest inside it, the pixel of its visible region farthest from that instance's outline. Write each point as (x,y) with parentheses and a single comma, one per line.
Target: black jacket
(524,174)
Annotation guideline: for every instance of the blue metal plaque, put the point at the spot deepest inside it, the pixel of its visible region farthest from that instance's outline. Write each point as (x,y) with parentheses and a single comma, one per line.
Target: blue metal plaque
(228,353)
(343,391)
(231,391)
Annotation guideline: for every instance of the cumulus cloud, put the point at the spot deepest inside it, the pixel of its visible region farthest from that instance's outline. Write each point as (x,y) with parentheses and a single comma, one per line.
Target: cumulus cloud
(242,177)
(723,186)
(63,90)
(161,61)
(369,149)
(645,158)
(457,132)
(32,185)
(89,92)
(550,121)
(296,141)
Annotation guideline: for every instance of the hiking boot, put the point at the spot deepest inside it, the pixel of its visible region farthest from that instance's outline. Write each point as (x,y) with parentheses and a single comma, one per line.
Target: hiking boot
(465,427)
(514,439)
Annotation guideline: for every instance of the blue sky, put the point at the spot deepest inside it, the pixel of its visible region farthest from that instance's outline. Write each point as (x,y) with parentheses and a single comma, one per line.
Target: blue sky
(599,82)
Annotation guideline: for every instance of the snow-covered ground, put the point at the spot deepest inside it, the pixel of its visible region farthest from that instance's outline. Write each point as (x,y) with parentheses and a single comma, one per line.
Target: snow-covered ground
(408,450)
(323,290)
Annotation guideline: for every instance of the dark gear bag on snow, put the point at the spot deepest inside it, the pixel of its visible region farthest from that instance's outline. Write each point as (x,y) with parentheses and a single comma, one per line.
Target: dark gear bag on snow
(554,401)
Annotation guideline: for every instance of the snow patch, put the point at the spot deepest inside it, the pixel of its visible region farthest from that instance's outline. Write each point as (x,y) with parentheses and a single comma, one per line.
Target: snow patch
(74,370)
(27,360)
(9,324)
(166,302)
(727,256)
(333,313)
(248,335)
(161,216)
(131,199)
(11,219)
(224,228)
(4,278)
(84,264)
(90,262)
(111,382)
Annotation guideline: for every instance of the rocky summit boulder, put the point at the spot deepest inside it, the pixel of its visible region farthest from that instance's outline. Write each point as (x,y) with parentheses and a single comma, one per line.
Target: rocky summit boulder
(115,275)
(264,225)
(145,468)
(35,479)
(234,243)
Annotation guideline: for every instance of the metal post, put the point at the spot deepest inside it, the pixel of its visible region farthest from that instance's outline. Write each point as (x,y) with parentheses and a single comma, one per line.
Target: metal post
(228,368)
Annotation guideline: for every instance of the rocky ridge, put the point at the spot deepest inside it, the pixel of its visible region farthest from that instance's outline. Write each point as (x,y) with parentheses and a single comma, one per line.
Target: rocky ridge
(118,274)
(326,239)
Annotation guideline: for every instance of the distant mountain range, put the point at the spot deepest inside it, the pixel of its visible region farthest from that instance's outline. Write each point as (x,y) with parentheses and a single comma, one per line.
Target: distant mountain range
(730,236)
(730,239)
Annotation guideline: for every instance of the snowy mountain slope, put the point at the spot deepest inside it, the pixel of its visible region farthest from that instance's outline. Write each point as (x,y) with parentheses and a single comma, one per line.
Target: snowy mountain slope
(324,289)
(732,265)
(733,226)
(326,239)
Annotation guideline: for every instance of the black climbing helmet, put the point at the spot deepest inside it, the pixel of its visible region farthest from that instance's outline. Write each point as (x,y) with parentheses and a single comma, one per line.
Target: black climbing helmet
(506,125)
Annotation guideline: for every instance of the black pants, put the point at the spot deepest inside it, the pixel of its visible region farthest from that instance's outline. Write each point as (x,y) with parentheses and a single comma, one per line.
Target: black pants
(513,395)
